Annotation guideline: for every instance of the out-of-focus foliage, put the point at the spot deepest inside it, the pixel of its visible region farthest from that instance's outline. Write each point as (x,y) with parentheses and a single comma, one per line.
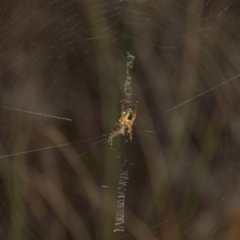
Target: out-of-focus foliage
(67,59)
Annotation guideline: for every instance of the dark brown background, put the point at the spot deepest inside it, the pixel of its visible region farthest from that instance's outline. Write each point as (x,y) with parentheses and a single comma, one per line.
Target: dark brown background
(68,59)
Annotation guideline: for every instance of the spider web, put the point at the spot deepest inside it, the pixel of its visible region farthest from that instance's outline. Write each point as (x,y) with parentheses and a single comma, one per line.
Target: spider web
(63,68)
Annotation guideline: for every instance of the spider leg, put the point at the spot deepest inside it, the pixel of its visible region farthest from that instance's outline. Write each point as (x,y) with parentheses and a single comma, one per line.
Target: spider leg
(135,106)
(110,139)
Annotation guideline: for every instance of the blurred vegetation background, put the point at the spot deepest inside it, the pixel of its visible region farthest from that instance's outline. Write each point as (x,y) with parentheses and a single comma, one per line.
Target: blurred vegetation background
(68,59)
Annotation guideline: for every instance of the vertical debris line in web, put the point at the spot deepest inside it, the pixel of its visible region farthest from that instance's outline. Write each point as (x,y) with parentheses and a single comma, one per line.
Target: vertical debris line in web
(122,187)
(124,171)
(127,101)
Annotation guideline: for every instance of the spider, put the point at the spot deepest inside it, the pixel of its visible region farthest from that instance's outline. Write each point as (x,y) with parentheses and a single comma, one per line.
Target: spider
(124,125)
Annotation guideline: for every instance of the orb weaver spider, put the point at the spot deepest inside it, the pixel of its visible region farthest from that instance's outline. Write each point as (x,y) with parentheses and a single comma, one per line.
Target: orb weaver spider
(124,124)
